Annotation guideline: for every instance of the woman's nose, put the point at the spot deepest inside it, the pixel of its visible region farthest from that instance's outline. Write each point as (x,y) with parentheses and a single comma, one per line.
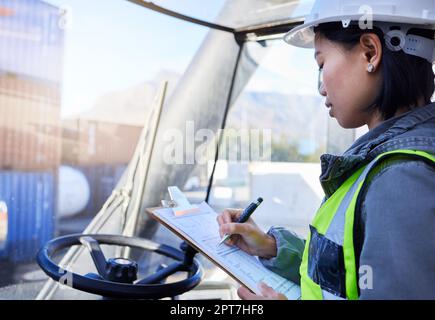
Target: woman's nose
(322,90)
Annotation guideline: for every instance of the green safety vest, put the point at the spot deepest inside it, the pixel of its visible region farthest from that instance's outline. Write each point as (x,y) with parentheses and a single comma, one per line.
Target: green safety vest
(328,268)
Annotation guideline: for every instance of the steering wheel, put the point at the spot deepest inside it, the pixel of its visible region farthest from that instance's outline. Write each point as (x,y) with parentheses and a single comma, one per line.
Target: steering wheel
(117,277)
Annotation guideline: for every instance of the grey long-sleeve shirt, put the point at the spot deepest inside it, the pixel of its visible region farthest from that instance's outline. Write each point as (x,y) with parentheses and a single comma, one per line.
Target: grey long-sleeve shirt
(395,219)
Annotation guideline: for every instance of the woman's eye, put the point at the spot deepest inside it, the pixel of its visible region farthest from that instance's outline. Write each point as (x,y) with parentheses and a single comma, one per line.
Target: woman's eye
(320,79)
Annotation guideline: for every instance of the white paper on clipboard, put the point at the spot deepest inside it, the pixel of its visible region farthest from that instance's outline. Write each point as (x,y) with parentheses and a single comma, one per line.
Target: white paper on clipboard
(202,231)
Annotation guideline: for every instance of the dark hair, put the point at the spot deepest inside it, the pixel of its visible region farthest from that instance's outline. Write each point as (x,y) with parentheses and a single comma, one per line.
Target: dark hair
(406,78)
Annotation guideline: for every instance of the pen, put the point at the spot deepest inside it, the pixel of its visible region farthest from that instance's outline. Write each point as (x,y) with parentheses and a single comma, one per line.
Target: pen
(244,216)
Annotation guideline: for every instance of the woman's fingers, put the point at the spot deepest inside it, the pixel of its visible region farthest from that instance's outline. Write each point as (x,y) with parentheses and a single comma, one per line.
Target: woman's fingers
(245,294)
(266,290)
(234,228)
(231,215)
(227,226)
(229,229)
(220,220)
(269,293)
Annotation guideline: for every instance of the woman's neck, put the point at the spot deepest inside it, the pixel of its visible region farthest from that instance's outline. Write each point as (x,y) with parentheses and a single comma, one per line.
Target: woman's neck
(374,121)
(376,118)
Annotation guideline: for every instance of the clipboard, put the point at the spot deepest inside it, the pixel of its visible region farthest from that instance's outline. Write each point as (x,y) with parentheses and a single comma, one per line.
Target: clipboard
(151,212)
(242,267)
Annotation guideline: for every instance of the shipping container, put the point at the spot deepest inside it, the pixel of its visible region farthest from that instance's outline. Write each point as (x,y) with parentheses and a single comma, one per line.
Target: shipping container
(87,142)
(32,39)
(31,201)
(30,124)
(31,58)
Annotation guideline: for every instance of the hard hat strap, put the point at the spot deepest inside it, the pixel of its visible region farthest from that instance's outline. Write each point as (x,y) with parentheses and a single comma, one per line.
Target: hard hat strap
(420,47)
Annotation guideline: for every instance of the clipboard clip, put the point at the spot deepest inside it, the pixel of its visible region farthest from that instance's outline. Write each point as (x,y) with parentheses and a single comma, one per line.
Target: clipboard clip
(172,203)
(169,203)
(179,203)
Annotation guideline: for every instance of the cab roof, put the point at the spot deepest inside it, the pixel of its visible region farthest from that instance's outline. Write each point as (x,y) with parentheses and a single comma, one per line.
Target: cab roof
(234,15)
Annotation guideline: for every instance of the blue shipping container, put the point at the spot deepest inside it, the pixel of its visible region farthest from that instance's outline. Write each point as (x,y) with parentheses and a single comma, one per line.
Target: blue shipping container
(31,39)
(30,198)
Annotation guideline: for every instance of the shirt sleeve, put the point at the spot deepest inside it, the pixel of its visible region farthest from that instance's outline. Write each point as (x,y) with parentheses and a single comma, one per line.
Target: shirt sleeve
(290,249)
(397,258)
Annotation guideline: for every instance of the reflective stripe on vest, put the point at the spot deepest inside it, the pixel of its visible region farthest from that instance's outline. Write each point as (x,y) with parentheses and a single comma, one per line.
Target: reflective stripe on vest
(328,268)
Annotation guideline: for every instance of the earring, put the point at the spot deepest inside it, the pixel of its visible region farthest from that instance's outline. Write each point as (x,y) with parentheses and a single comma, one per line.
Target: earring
(370,68)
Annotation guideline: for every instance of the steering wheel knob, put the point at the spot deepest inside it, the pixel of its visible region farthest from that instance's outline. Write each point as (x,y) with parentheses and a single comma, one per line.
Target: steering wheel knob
(121,270)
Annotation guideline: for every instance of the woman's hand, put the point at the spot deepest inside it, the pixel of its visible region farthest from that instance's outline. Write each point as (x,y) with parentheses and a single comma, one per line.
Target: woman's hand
(247,236)
(267,293)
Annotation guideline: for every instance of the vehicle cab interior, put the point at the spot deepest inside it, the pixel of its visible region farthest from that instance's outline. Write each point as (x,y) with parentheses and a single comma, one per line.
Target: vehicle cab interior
(105,104)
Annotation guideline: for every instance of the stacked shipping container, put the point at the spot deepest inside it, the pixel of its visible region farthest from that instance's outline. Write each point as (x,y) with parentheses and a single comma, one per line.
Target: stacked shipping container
(90,142)
(31,208)
(33,140)
(31,52)
(29,125)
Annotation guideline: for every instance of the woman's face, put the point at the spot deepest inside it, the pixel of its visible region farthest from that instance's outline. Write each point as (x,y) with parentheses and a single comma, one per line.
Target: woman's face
(347,85)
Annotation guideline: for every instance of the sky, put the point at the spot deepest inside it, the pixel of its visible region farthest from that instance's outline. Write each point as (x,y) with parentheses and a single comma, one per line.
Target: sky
(285,69)
(112,45)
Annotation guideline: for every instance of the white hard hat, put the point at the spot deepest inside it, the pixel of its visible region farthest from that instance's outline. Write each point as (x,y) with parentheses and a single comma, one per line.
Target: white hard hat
(384,14)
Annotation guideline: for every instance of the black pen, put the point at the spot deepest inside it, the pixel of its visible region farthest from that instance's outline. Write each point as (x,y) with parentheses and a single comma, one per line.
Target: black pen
(244,217)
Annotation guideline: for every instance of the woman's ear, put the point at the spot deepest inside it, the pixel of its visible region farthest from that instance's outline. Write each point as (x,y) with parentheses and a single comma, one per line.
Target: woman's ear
(371,49)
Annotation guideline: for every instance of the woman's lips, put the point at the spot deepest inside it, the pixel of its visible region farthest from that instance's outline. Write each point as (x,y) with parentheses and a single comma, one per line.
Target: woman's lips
(329,106)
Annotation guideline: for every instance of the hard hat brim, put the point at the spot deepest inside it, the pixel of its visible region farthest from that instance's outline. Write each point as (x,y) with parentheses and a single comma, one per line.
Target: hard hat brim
(303,36)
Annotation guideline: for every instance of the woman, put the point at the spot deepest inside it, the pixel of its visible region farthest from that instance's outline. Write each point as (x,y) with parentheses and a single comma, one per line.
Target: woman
(373,236)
